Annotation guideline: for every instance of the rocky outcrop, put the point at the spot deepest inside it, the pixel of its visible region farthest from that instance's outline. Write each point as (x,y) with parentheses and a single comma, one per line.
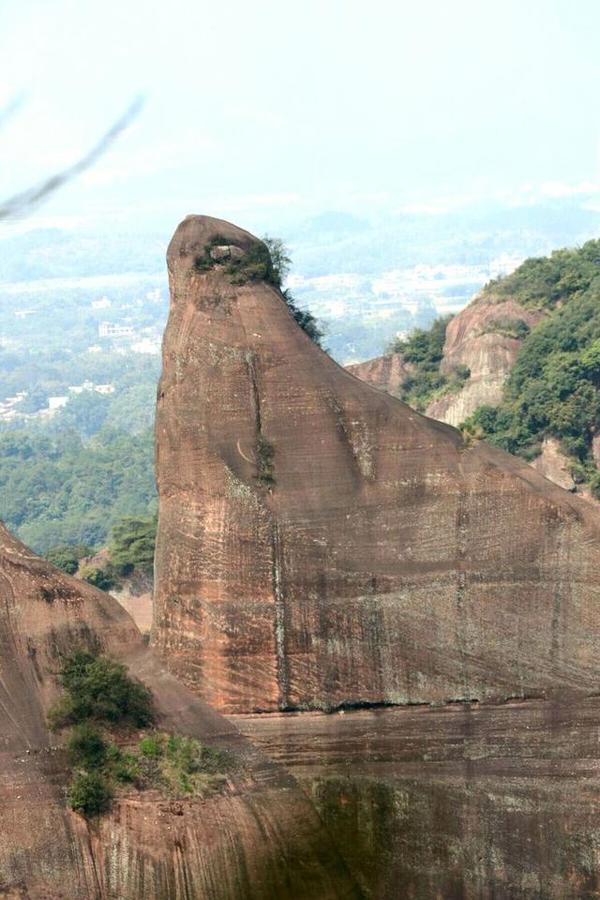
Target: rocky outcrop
(482,339)
(386,373)
(320,544)
(258,838)
(553,464)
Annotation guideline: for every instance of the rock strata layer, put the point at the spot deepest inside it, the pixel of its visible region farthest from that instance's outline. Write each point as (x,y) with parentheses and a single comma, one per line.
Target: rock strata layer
(320,544)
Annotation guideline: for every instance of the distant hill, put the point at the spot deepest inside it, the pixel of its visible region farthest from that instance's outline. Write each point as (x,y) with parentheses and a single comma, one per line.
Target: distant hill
(520,366)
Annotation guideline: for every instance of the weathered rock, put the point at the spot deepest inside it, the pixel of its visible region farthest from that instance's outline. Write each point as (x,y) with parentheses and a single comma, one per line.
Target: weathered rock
(386,373)
(478,339)
(260,838)
(553,464)
(465,801)
(322,544)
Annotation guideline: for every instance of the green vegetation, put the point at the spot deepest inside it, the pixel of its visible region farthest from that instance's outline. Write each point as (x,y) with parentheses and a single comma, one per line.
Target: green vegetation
(101,578)
(50,372)
(181,765)
(97,690)
(56,490)
(544,282)
(507,327)
(67,556)
(132,545)
(101,701)
(553,388)
(424,349)
(90,794)
(265,260)
(100,690)
(265,453)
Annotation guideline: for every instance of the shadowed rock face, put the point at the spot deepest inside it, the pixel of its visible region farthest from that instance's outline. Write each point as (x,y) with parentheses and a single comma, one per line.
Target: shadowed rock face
(259,838)
(464,802)
(322,544)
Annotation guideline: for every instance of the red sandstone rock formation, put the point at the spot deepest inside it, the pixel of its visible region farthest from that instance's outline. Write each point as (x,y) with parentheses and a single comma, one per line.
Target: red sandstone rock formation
(386,373)
(322,544)
(260,838)
(465,802)
(474,338)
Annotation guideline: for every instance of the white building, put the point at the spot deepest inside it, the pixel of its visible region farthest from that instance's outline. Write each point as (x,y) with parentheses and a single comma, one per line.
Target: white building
(110,330)
(55,403)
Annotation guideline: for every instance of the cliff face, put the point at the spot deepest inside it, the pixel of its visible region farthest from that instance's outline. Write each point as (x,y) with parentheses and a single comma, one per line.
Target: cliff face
(322,544)
(463,802)
(479,337)
(386,373)
(258,838)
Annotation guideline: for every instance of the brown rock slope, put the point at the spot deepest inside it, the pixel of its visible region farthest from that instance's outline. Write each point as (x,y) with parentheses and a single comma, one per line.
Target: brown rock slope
(322,544)
(259,838)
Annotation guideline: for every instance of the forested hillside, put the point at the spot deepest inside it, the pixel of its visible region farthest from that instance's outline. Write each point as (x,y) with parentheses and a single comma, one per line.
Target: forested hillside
(553,389)
(536,335)
(56,488)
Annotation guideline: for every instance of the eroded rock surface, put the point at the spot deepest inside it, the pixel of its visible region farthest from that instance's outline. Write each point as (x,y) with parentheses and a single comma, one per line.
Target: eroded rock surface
(322,544)
(258,838)
(386,373)
(482,338)
(465,802)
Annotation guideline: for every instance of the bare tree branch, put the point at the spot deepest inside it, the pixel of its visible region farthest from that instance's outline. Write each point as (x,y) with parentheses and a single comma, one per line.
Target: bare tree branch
(26,201)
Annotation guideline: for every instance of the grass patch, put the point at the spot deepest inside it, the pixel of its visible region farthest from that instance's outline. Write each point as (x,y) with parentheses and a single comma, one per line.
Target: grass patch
(102,699)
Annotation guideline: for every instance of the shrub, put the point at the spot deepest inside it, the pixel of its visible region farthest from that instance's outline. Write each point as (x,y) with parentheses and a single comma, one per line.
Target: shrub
(100,578)
(87,748)
(66,556)
(265,453)
(151,746)
(99,689)
(90,794)
(504,325)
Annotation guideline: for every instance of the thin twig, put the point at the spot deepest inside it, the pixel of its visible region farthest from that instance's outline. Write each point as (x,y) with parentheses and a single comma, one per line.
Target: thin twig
(26,200)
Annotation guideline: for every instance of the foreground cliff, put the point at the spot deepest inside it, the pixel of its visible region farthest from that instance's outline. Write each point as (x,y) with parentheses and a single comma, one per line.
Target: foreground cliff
(320,544)
(257,837)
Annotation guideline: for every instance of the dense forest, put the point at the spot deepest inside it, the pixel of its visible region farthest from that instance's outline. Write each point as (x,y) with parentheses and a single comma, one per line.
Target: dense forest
(57,488)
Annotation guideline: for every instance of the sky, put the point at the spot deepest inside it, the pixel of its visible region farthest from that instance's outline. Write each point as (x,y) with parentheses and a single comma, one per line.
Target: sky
(274,110)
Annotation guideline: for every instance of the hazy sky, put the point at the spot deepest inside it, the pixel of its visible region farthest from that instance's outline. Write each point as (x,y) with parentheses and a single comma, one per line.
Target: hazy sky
(276,108)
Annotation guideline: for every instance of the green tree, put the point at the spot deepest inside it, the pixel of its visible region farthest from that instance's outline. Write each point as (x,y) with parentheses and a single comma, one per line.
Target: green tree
(67,556)
(132,544)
